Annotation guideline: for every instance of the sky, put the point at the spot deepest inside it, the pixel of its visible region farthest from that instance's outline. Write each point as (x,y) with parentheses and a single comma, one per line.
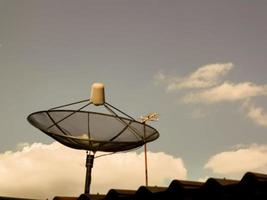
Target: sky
(199,64)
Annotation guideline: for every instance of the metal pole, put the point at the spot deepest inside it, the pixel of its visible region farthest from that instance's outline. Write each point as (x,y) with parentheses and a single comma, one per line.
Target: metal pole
(89,166)
(146,165)
(149,117)
(145,151)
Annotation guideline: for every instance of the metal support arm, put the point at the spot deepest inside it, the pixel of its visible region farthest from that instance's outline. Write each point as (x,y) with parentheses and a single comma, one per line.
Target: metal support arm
(89,166)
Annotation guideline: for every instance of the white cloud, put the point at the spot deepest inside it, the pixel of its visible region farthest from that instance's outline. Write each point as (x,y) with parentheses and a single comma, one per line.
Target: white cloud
(42,171)
(209,89)
(226,92)
(256,113)
(203,77)
(234,163)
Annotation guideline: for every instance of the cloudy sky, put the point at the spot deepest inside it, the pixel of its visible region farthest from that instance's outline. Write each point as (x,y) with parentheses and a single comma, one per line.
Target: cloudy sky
(200,65)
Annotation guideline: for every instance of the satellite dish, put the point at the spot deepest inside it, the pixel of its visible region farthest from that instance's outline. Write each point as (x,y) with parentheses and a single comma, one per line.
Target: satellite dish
(93,131)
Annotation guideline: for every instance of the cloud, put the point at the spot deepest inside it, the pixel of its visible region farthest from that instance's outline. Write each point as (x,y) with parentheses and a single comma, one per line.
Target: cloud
(44,171)
(203,77)
(257,114)
(235,163)
(204,86)
(226,92)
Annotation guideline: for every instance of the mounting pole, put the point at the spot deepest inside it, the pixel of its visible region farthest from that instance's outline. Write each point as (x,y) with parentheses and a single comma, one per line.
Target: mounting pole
(145,150)
(150,117)
(89,166)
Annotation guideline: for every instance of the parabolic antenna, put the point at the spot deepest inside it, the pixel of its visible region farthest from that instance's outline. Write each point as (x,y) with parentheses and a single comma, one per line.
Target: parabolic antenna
(93,131)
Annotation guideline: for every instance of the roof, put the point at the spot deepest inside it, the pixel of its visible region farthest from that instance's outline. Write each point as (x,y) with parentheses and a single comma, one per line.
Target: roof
(253,177)
(15,198)
(82,196)
(251,186)
(218,182)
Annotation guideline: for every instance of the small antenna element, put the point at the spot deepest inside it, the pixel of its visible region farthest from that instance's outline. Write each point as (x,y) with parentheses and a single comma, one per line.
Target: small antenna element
(149,117)
(143,119)
(98,94)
